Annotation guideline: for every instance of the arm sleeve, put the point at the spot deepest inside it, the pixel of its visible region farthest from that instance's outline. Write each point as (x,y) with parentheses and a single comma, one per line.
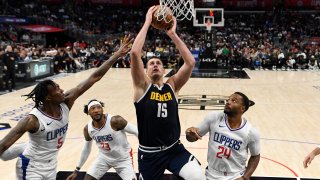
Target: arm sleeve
(132,129)
(254,143)
(13,152)
(85,153)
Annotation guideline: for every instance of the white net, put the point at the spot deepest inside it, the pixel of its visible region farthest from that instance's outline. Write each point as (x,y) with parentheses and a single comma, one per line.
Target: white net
(181,9)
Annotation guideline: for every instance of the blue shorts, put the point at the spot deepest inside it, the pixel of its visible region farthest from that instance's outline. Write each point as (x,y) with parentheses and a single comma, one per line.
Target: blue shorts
(153,164)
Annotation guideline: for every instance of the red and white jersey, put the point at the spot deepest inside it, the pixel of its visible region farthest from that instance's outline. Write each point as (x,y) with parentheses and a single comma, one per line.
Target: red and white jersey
(45,143)
(113,144)
(228,148)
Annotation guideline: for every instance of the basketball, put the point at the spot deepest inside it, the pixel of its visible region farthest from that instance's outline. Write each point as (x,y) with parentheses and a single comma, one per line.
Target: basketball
(162,19)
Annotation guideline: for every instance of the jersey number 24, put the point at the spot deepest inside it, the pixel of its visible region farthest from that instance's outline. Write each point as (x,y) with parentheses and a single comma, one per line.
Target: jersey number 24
(223,151)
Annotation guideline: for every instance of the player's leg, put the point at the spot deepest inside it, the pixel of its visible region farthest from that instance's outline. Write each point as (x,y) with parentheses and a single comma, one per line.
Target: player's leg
(98,168)
(184,164)
(125,169)
(151,165)
(25,169)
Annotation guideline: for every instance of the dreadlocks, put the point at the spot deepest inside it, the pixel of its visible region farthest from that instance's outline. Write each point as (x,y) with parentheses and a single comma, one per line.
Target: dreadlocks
(39,93)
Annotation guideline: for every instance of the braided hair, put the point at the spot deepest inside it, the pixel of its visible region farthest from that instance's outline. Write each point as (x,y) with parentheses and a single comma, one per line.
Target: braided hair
(39,93)
(85,108)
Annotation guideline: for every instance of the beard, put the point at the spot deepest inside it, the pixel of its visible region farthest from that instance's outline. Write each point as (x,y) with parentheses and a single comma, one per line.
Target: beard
(97,117)
(227,112)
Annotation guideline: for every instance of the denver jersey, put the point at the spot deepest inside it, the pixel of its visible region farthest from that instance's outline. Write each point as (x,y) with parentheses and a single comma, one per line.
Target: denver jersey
(45,143)
(228,148)
(113,144)
(157,116)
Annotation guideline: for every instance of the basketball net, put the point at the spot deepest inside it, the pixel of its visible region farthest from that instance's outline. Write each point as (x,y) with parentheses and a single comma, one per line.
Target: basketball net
(181,9)
(208,25)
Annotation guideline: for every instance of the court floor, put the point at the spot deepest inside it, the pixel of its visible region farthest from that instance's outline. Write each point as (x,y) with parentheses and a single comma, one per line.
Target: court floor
(286,114)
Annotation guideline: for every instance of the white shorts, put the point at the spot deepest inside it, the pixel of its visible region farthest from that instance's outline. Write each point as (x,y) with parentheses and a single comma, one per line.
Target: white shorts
(124,168)
(35,170)
(217,175)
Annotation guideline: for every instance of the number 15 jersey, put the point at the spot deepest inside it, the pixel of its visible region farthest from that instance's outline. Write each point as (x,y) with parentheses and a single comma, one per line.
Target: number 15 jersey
(157,115)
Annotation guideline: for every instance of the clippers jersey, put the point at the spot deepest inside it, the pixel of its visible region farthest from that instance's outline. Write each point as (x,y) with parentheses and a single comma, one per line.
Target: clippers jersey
(157,116)
(113,144)
(45,143)
(228,148)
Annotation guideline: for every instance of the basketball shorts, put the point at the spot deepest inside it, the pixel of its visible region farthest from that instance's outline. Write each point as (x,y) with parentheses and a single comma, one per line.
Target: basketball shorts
(124,167)
(153,164)
(212,174)
(35,169)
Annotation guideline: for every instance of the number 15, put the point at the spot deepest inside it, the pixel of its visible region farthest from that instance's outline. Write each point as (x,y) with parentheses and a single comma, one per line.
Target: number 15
(162,110)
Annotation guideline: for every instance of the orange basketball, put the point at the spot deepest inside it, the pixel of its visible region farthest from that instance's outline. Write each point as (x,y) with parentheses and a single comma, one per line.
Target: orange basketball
(162,19)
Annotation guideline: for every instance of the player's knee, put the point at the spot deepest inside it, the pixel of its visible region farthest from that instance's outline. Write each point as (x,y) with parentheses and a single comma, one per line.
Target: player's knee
(192,171)
(198,176)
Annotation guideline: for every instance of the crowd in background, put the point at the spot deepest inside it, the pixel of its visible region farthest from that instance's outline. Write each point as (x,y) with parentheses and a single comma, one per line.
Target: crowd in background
(285,40)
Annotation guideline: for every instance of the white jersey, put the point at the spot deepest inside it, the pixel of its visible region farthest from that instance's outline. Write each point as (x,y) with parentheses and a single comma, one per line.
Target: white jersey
(45,143)
(113,144)
(228,148)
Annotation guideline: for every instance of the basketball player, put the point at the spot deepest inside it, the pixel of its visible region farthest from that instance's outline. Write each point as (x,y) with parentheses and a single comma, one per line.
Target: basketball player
(157,111)
(230,137)
(109,133)
(310,157)
(47,123)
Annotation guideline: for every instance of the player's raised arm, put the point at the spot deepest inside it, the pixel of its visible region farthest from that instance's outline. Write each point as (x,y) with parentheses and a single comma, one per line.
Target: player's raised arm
(74,93)
(139,77)
(184,73)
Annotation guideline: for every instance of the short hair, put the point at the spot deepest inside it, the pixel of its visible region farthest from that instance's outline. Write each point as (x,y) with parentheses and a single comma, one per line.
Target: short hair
(153,57)
(39,93)
(246,101)
(85,108)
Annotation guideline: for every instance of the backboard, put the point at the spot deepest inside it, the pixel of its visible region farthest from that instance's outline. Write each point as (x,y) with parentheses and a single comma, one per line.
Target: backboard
(208,17)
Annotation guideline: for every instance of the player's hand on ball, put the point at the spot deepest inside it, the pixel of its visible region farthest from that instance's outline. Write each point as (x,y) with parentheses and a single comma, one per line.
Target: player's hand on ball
(174,27)
(150,14)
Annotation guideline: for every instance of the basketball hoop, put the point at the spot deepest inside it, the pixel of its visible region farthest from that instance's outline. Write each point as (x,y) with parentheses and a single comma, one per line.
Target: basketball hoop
(181,9)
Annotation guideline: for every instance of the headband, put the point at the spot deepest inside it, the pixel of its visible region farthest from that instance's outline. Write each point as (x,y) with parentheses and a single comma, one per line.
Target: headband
(92,103)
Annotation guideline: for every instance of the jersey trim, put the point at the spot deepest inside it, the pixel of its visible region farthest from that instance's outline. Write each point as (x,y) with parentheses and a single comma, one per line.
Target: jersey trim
(58,119)
(144,94)
(241,126)
(173,92)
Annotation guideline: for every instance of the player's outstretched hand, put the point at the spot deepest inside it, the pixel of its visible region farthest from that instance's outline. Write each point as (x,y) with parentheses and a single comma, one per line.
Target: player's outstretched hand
(125,45)
(308,159)
(192,134)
